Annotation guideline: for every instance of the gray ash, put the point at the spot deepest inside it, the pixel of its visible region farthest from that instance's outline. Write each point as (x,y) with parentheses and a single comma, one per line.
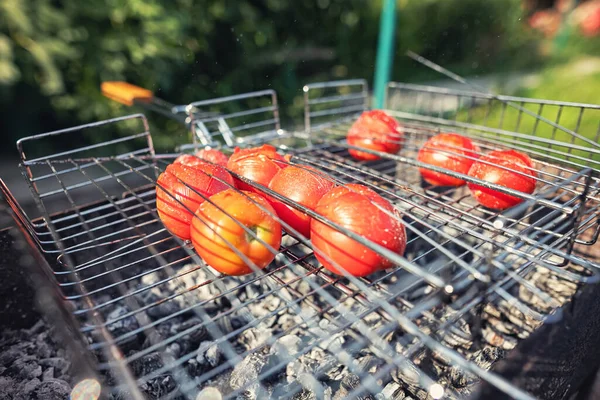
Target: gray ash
(287,346)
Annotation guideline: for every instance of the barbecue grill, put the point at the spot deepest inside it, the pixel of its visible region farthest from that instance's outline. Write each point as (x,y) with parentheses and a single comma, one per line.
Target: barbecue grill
(481,304)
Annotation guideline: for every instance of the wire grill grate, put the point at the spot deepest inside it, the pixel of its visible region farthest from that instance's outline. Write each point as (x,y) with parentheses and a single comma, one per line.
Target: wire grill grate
(148,305)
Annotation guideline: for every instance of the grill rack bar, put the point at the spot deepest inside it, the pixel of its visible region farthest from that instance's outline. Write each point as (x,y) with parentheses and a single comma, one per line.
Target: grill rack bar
(161,159)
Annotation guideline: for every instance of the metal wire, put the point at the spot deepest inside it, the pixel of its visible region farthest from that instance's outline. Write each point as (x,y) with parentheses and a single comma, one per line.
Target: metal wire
(117,250)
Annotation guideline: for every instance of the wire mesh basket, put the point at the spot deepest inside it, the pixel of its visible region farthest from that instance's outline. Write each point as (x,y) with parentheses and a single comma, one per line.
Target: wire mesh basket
(472,283)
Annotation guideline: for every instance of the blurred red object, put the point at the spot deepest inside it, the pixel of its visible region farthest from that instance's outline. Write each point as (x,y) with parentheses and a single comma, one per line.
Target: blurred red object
(589,23)
(545,21)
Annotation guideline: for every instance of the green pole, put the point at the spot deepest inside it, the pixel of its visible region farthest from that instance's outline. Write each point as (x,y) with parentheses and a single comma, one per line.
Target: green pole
(385,51)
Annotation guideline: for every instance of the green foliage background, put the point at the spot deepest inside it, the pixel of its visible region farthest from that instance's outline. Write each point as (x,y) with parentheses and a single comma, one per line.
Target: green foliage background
(54,54)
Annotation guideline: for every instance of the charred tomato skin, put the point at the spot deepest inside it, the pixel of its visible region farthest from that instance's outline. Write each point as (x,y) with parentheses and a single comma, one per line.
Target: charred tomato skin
(258,164)
(353,207)
(449,151)
(214,229)
(508,168)
(304,185)
(374,130)
(177,193)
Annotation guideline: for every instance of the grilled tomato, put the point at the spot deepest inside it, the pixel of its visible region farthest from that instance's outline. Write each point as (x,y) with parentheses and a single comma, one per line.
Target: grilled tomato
(217,230)
(449,151)
(354,207)
(374,130)
(304,185)
(211,155)
(176,197)
(508,168)
(258,164)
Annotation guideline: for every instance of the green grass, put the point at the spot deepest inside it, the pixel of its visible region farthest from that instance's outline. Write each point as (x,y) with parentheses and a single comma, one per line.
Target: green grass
(577,81)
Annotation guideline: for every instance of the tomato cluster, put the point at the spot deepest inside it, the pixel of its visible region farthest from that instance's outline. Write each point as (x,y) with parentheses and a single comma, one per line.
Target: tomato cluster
(507,168)
(232,208)
(236,228)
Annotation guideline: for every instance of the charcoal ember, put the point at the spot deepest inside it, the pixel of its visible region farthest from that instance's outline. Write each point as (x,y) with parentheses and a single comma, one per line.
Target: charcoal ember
(407,374)
(192,280)
(159,386)
(349,383)
(286,347)
(310,363)
(391,391)
(459,378)
(161,308)
(329,368)
(209,354)
(8,356)
(495,339)
(228,324)
(487,356)
(305,394)
(122,326)
(245,374)
(53,389)
(196,333)
(48,374)
(42,348)
(252,338)
(146,364)
(174,350)
(286,322)
(29,387)
(58,363)
(25,368)
(194,368)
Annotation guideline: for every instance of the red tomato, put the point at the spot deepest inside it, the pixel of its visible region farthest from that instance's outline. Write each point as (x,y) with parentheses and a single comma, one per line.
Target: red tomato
(188,160)
(435,152)
(374,130)
(496,173)
(214,228)
(353,207)
(175,199)
(259,164)
(211,155)
(305,185)
(214,156)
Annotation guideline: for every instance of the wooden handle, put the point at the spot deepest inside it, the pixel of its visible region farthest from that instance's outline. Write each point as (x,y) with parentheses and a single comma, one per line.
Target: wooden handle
(125,93)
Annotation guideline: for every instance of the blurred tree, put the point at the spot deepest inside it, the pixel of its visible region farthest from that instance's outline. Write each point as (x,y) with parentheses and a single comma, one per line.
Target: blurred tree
(55,53)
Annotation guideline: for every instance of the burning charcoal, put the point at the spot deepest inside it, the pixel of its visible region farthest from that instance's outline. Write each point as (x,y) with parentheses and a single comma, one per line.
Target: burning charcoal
(53,389)
(392,391)
(58,363)
(496,340)
(408,374)
(162,309)
(209,354)
(146,364)
(253,337)
(25,368)
(247,371)
(8,356)
(286,322)
(487,356)
(29,387)
(305,394)
(159,386)
(122,326)
(209,393)
(347,385)
(286,347)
